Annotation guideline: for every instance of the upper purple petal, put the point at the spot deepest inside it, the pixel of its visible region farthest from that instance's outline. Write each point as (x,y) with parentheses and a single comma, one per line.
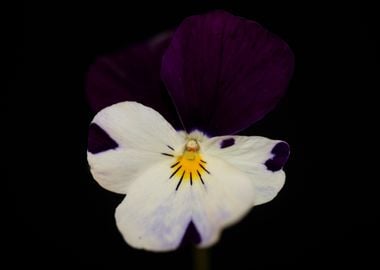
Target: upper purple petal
(132,75)
(225,72)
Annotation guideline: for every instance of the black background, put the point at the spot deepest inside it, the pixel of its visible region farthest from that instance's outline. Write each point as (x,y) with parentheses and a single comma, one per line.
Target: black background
(327,212)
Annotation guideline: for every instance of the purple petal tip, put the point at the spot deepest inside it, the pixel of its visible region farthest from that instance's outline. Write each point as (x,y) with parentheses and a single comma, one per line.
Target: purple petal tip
(99,140)
(281,154)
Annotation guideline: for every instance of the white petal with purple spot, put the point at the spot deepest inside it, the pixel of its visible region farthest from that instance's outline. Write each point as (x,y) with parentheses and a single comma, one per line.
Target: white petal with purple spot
(251,155)
(142,135)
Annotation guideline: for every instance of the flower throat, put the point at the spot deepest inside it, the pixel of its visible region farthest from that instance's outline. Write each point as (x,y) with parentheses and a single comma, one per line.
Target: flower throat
(189,166)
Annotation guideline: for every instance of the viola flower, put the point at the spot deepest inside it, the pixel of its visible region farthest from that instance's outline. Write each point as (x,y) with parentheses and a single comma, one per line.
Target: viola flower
(164,135)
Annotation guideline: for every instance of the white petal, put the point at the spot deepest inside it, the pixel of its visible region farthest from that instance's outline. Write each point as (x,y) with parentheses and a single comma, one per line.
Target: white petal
(226,196)
(154,215)
(142,135)
(116,169)
(132,124)
(249,154)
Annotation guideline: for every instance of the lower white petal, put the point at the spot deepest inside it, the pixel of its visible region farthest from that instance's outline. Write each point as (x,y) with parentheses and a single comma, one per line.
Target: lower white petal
(225,197)
(154,215)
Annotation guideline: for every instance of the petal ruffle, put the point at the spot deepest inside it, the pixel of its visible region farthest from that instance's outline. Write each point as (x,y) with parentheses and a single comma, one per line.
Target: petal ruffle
(132,75)
(143,138)
(225,72)
(260,158)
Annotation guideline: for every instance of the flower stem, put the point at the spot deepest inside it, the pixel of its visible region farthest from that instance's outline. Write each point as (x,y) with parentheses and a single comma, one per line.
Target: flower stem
(201,260)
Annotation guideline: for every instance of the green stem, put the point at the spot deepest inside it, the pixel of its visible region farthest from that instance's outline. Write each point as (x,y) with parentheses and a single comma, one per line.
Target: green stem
(201,260)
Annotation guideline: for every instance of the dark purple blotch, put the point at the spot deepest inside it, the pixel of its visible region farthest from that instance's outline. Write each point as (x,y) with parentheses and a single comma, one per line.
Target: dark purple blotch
(99,140)
(280,155)
(191,235)
(227,143)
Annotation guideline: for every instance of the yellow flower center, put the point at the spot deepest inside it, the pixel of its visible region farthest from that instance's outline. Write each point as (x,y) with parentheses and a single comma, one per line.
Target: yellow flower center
(189,166)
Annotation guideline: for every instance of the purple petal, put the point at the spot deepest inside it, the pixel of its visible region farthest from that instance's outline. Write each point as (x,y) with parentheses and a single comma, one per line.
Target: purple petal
(225,72)
(132,75)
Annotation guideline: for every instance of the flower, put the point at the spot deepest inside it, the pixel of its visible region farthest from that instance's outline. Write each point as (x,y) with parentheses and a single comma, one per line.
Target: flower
(181,165)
